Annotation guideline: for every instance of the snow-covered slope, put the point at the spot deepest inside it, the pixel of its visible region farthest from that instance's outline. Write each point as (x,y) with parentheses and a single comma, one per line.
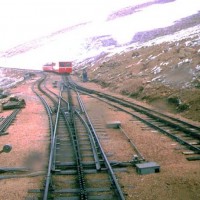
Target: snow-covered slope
(114,28)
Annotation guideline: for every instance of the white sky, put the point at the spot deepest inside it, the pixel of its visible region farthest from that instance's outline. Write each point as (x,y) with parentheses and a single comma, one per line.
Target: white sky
(24,20)
(21,20)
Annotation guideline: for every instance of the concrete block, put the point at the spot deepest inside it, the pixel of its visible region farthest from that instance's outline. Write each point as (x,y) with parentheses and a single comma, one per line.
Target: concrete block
(114,124)
(147,168)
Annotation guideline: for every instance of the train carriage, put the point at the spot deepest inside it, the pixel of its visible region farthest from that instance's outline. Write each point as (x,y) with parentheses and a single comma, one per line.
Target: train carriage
(65,67)
(49,67)
(62,67)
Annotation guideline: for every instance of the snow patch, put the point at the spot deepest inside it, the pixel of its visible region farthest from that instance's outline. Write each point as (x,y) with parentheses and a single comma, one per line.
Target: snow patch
(197,68)
(156,70)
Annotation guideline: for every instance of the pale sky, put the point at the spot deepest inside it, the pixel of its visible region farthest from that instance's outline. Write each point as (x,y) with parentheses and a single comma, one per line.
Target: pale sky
(21,20)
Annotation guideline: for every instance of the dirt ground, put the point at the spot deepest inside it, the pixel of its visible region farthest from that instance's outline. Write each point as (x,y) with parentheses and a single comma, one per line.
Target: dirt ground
(29,139)
(178,178)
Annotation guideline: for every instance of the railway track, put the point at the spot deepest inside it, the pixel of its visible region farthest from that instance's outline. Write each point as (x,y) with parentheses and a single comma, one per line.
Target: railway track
(5,123)
(78,167)
(183,132)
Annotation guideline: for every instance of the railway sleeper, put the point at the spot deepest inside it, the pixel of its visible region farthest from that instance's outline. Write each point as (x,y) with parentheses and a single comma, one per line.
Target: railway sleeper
(101,197)
(86,171)
(66,156)
(77,190)
(89,164)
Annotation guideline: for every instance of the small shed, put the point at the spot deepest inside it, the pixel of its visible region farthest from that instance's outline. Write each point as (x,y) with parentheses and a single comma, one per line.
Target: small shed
(147,168)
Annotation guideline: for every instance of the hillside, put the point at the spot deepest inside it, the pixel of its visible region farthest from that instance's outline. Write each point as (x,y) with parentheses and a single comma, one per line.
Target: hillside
(163,70)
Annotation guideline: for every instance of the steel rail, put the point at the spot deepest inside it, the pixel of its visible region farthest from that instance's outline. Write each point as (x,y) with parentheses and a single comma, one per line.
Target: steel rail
(113,178)
(49,113)
(71,124)
(80,102)
(73,132)
(106,161)
(57,96)
(92,142)
(133,145)
(51,156)
(112,174)
(122,102)
(190,146)
(47,107)
(149,113)
(143,109)
(43,91)
(110,170)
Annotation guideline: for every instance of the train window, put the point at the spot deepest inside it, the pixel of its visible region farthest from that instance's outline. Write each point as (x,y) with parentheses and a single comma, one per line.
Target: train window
(68,64)
(64,64)
(61,64)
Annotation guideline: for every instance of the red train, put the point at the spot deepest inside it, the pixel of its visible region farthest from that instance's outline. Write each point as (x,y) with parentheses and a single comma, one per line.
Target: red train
(60,67)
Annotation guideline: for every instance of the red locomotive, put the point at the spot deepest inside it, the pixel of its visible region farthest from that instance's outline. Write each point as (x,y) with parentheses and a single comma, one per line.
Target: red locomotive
(60,67)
